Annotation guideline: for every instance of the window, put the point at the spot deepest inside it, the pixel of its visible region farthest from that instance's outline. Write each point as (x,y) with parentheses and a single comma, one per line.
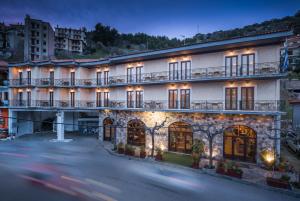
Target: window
(173,71)
(20,98)
(139,99)
(29,77)
(28,98)
(44,50)
(51,77)
(98,99)
(37,41)
(129,75)
(98,77)
(72,78)
(130,103)
(106,99)
(248,64)
(5,95)
(185,70)
(231,98)
(44,35)
(106,77)
(72,93)
(173,99)
(139,74)
(180,137)
(247,99)
(51,99)
(184,98)
(231,66)
(37,33)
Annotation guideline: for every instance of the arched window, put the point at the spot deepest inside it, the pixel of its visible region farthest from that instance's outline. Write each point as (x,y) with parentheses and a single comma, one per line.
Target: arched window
(180,137)
(240,143)
(108,129)
(136,133)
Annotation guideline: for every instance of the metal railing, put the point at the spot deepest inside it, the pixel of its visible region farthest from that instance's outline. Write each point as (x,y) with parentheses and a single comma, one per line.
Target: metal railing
(157,105)
(194,74)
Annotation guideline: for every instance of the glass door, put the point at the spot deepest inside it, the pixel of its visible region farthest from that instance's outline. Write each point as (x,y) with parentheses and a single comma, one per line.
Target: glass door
(231,66)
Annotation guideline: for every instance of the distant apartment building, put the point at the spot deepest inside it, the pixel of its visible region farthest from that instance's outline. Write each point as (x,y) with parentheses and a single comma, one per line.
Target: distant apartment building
(70,40)
(11,40)
(233,84)
(38,41)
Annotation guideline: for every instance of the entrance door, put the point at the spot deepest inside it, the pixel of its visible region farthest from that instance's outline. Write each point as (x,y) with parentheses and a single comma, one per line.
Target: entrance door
(108,130)
(240,143)
(180,137)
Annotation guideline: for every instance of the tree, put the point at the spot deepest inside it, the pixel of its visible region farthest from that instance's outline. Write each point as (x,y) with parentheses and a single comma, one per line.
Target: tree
(153,131)
(211,131)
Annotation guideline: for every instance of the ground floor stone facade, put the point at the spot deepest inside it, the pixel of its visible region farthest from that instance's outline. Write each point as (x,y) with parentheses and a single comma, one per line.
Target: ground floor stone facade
(264,127)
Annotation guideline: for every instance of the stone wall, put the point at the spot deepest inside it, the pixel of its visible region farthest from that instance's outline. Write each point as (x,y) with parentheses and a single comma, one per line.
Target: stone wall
(262,125)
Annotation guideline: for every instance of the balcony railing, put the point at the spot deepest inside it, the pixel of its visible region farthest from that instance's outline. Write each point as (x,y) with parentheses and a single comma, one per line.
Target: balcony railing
(157,105)
(195,74)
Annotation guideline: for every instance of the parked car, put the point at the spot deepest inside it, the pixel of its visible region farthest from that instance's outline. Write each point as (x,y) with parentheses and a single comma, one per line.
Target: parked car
(294,145)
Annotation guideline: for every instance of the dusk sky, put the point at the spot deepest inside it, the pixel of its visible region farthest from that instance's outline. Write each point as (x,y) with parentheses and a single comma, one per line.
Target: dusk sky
(156,17)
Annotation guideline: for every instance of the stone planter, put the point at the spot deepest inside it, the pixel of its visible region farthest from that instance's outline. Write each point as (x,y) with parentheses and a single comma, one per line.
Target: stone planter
(121,151)
(158,157)
(195,165)
(129,152)
(220,170)
(278,183)
(233,173)
(143,154)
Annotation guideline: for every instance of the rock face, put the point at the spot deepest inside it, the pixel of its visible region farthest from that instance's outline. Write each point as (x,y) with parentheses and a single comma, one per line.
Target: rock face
(262,125)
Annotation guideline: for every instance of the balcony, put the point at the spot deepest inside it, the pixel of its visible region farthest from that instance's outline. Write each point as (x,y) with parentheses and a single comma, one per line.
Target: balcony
(205,106)
(259,71)
(25,82)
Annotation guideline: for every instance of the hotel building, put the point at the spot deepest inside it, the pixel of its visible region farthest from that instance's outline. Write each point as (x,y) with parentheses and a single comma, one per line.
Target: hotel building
(231,83)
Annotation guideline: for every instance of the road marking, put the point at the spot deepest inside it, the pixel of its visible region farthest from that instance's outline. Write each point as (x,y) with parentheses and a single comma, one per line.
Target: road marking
(73,179)
(103,196)
(102,185)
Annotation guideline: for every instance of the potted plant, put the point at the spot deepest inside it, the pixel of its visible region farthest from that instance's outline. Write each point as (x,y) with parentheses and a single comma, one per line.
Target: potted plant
(120,148)
(142,152)
(158,155)
(127,149)
(197,150)
(220,167)
(230,169)
(282,182)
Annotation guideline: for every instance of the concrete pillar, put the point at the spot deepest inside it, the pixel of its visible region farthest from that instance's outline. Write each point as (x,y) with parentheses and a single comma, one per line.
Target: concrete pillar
(60,126)
(100,130)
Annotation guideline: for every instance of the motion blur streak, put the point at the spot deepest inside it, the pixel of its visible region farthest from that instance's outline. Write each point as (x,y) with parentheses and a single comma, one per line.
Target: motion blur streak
(100,184)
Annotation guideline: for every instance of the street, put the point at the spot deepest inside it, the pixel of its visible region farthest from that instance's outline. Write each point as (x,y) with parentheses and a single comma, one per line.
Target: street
(33,168)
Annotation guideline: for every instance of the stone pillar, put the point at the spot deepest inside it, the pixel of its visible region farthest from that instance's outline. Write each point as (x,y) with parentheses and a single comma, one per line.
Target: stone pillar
(100,130)
(277,135)
(60,126)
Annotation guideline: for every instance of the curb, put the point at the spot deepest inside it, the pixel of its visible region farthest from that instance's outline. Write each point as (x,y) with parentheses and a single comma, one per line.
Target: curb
(203,171)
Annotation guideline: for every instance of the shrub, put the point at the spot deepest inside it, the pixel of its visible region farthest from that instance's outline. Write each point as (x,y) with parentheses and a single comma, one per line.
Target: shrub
(285,177)
(120,145)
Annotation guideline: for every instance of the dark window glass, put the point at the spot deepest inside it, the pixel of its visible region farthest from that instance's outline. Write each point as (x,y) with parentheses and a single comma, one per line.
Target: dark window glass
(231,98)
(184,98)
(247,99)
(139,99)
(185,70)
(130,103)
(231,66)
(173,71)
(173,102)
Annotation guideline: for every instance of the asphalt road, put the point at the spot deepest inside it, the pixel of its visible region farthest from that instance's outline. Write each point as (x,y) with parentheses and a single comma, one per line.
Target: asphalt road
(34,169)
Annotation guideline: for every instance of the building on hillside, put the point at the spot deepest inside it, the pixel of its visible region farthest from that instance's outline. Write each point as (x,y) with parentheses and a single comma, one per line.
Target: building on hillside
(69,40)
(38,40)
(232,83)
(4,103)
(11,41)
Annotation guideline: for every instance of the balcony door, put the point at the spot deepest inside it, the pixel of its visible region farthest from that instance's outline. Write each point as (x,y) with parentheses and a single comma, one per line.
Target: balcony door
(72,78)
(20,98)
(51,99)
(106,99)
(185,70)
(185,98)
(51,76)
(28,98)
(173,96)
(247,98)
(173,71)
(72,94)
(139,99)
(106,77)
(231,98)
(231,66)
(248,64)
(139,74)
(98,99)
(129,75)
(20,78)
(29,77)
(130,103)
(98,78)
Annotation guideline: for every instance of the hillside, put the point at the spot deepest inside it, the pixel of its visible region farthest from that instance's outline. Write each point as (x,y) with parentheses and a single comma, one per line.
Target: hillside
(106,41)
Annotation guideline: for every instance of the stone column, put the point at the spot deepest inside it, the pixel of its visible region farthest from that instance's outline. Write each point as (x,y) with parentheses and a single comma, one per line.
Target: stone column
(100,130)
(60,126)
(277,135)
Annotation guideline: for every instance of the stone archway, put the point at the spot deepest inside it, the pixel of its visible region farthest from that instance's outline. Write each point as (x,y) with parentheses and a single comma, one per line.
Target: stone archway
(136,133)
(108,129)
(239,143)
(180,137)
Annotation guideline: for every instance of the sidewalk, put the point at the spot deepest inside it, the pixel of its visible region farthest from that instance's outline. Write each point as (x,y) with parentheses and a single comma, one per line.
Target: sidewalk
(252,174)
